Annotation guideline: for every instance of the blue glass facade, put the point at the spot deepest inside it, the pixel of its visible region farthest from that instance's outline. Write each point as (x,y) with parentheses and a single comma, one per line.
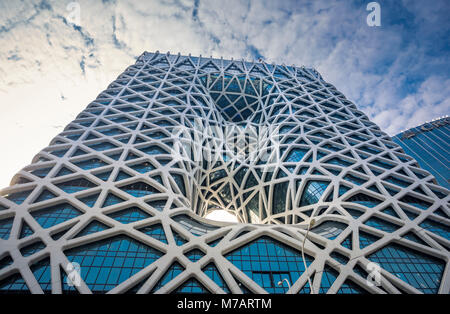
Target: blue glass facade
(421,271)
(429,144)
(267,261)
(107,263)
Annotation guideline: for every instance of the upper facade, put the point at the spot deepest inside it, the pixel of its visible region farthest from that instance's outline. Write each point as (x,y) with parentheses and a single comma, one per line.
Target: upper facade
(429,145)
(124,189)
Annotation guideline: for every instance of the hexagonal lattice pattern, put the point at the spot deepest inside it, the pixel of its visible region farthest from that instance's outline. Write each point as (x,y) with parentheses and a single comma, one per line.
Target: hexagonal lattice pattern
(123,189)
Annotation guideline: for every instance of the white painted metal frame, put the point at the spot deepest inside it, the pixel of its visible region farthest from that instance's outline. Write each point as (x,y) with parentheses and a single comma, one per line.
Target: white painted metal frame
(307,84)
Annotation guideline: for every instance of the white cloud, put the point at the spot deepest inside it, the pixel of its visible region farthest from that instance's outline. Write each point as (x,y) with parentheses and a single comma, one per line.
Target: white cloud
(432,100)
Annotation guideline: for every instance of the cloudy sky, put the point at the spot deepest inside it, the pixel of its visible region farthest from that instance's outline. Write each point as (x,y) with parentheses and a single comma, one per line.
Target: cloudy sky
(50,69)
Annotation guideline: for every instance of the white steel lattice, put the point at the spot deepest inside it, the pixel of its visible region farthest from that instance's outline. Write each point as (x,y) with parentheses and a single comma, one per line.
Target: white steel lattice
(175,137)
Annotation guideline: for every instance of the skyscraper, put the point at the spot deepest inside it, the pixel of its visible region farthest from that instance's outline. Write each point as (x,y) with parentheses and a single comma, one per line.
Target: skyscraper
(429,145)
(326,201)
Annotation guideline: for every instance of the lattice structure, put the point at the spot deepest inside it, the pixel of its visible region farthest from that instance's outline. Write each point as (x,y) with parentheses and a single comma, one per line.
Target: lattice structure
(124,189)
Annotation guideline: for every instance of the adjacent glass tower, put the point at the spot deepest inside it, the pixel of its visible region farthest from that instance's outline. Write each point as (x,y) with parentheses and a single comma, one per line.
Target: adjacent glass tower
(119,197)
(429,144)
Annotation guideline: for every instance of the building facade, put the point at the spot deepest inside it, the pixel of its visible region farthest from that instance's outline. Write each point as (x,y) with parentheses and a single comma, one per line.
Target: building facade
(429,145)
(326,201)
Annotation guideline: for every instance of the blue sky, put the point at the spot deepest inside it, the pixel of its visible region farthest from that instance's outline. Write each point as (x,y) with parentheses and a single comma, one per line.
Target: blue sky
(50,70)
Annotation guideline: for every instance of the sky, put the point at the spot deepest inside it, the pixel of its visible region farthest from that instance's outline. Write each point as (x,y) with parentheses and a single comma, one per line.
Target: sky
(51,69)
